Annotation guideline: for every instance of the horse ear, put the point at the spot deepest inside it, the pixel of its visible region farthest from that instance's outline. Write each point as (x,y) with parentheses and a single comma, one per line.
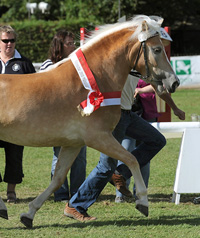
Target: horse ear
(143,34)
(145,27)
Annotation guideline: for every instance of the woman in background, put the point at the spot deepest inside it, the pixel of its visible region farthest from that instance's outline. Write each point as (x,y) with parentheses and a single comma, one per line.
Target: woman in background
(61,46)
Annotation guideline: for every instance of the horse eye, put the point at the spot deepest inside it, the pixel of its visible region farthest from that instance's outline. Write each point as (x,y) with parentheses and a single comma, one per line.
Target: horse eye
(157,50)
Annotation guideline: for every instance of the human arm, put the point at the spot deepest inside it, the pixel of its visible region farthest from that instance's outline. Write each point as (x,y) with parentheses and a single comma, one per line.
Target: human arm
(146,89)
(46,64)
(164,96)
(167,98)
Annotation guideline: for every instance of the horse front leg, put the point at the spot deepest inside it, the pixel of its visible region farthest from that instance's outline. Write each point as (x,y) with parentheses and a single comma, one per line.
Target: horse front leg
(111,147)
(3,209)
(66,158)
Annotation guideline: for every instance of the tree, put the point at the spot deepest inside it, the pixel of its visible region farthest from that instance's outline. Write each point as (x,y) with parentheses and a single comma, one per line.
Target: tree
(177,13)
(16,10)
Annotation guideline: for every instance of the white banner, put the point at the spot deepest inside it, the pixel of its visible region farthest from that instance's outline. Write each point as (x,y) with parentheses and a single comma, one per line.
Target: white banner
(187,68)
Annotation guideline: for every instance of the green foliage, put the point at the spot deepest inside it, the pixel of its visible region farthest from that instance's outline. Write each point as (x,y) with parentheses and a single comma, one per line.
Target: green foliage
(36,30)
(104,11)
(175,12)
(34,37)
(16,10)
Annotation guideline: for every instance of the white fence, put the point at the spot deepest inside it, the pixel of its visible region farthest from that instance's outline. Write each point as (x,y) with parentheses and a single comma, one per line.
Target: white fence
(188,166)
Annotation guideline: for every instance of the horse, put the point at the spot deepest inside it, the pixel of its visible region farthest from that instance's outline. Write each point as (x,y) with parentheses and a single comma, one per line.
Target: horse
(40,110)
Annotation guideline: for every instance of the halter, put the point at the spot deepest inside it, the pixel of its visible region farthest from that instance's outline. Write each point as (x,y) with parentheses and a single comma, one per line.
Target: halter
(142,46)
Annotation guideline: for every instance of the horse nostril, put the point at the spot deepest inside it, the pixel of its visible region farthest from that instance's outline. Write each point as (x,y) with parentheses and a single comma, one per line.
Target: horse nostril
(174,86)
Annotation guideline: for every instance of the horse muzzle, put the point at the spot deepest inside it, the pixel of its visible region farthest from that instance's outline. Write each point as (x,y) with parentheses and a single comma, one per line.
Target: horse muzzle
(171,83)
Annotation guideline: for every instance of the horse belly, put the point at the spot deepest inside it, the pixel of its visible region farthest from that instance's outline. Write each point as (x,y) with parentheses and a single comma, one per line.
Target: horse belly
(42,133)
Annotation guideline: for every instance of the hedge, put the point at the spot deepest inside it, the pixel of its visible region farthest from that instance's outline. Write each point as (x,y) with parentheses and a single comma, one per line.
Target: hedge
(34,37)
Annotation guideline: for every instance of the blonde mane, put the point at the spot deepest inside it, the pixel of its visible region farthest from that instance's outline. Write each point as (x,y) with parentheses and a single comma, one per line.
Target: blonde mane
(135,24)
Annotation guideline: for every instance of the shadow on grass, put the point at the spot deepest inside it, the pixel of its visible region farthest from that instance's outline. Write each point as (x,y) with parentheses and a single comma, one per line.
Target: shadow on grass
(28,199)
(153,198)
(129,221)
(160,197)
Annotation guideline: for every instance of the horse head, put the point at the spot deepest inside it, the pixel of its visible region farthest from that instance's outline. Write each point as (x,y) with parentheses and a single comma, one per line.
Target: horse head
(152,62)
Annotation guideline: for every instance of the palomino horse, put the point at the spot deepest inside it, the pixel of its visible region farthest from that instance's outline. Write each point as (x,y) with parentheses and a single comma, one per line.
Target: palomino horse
(41,109)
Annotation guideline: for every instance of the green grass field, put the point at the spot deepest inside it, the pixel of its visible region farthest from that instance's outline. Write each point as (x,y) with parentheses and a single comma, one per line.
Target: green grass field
(114,220)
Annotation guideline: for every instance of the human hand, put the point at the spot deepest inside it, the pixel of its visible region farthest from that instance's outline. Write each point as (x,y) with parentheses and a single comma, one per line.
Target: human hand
(179,113)
(137,91)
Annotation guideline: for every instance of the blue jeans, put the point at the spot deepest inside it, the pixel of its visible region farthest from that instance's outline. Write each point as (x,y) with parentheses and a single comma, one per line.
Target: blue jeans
(153,142)
(129,144)
(77,175)
(150,142)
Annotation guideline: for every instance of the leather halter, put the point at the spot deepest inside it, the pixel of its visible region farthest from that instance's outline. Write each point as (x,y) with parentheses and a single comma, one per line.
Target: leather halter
(136,73)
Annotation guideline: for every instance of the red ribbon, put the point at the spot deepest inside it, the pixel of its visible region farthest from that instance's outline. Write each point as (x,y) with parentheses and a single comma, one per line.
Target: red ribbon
(96,98)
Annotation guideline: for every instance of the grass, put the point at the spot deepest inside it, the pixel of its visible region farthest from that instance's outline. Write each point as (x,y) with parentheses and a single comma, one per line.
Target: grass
(114,220)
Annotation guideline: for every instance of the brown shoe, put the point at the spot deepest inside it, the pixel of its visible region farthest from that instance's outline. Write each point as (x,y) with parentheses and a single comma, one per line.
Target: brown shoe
(73,213)
(120,183)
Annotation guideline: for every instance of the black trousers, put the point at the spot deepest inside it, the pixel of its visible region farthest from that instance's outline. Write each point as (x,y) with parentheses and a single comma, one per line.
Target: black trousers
(13,168)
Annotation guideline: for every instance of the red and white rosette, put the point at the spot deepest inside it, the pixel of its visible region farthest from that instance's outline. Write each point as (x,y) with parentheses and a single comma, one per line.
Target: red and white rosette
(95,98)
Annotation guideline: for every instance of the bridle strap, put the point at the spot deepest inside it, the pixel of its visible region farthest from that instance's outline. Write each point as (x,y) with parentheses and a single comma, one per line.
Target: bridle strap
(133,71)
(145,59)
(138,56)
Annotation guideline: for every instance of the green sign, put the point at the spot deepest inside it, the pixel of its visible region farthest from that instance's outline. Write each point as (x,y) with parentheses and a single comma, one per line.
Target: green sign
(183,67)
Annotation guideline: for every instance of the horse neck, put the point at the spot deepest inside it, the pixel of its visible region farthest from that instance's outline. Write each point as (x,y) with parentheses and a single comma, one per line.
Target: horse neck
(109,61)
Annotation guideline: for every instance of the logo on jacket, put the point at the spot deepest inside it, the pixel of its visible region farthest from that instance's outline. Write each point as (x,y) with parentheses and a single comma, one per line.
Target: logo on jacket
(16,67)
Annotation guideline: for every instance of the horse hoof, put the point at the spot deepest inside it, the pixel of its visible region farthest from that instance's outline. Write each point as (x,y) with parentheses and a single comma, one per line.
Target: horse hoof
(4,214)
(143,209)
(27,222)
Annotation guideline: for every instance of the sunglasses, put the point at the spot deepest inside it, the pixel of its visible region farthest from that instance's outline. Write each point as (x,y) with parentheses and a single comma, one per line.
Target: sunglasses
(6,41)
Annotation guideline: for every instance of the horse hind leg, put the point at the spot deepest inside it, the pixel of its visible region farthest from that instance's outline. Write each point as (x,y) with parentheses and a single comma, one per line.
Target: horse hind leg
(113,149)
(66,158)
(3,209)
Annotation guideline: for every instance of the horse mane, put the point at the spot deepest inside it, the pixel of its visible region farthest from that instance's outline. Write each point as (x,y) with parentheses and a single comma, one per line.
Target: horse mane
(134,24)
